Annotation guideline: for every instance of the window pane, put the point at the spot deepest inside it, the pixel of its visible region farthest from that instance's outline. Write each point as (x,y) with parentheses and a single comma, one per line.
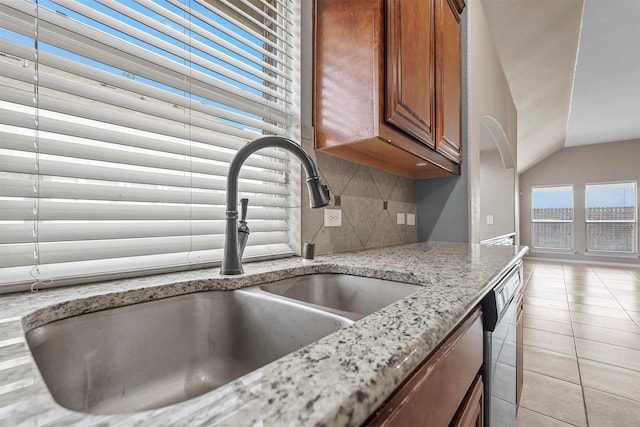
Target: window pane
(611,217)
(552,217)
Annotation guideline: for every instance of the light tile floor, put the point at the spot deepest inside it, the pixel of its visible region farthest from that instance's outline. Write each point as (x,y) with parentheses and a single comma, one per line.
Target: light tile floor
(581,346)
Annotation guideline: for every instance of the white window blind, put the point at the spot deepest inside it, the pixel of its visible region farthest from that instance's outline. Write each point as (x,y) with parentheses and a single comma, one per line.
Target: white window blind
(611,216)
(552,217)
(117,124)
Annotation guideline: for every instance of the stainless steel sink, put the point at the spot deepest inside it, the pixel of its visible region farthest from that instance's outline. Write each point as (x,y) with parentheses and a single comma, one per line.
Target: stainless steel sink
(357,295)
(156,353)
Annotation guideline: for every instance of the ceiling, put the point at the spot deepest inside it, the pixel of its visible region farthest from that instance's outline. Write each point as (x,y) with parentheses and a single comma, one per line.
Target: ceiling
(573,67)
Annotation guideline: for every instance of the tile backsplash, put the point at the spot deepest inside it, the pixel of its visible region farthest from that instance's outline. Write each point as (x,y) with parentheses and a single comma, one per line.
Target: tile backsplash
(365,221)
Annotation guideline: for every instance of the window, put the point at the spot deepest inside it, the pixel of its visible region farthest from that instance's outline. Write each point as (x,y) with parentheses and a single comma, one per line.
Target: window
(611,215)
(552,217)
(117,124)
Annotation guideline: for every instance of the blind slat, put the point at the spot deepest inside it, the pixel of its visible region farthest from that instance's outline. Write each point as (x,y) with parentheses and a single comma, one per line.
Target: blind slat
(114,268)
(94,94)
(58,252)
(50,231)
(24,55)
(13,209)
(186,55)
(23,117)
(17,138)
(14,161)
(22,185)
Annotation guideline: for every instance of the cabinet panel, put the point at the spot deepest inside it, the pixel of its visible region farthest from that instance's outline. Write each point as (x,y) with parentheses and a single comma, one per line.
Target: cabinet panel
(471,412)
(410,89)
(519,348)
(432,395)
(448,79)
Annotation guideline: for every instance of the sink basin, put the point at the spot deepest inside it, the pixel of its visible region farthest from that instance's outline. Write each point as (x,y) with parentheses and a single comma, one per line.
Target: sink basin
(152,354)
(357,295)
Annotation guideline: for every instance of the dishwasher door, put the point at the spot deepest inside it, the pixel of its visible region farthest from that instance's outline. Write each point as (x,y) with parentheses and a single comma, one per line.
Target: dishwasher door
(500,369)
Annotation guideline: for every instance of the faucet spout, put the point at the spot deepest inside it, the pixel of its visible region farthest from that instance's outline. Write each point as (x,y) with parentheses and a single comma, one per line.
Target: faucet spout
(318,193)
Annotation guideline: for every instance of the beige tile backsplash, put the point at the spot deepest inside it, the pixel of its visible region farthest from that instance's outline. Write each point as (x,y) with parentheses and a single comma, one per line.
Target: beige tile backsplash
(363,191)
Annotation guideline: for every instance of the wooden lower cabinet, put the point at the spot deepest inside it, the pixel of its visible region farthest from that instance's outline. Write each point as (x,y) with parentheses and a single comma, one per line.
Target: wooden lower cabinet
(446,389)
(471,412)
(519,347)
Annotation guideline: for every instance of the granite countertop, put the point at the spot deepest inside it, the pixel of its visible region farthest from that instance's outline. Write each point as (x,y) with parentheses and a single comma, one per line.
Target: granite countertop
(337,381)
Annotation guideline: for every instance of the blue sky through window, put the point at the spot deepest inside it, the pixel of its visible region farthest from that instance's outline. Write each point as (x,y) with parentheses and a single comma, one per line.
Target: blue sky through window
(606,196)
(552,197)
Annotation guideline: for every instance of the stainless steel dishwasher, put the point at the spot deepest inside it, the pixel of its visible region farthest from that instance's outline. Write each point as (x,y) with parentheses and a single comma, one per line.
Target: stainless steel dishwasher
(499,361)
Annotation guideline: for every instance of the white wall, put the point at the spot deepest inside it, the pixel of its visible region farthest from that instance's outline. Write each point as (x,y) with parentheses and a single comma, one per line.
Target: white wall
(497,196)
(619,161)
(488,95)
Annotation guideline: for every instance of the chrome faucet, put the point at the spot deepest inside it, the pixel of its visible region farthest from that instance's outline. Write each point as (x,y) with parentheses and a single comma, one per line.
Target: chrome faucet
(318,194)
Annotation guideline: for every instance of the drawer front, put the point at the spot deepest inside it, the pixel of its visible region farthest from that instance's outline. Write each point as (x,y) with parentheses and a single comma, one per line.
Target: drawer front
(431,396)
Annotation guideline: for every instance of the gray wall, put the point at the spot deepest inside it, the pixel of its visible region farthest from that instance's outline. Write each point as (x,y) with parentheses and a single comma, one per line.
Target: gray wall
(619,161)
(443,209)
(442,203)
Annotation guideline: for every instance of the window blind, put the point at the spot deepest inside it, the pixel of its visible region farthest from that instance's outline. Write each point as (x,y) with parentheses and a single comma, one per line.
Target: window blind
(118,121)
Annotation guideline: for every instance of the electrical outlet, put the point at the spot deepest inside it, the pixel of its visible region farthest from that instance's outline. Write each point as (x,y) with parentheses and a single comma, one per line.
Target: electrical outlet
(333,217)
(400,219)
(489,219)
(411,219)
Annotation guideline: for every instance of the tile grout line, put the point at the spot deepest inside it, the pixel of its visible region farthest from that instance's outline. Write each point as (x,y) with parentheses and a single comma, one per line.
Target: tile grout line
(566,281)
(573,336)
(618,301)
(559,379)
(549,416)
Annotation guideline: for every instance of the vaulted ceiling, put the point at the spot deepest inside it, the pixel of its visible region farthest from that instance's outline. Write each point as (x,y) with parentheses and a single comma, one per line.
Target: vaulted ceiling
(573,67)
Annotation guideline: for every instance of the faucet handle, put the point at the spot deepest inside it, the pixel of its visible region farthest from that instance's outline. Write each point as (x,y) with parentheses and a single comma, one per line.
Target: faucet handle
(243,209)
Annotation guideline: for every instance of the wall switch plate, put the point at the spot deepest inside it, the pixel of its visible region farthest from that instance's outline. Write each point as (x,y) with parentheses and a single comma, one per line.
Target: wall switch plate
(489,219)
(411,219)
(333,217)
(400,218)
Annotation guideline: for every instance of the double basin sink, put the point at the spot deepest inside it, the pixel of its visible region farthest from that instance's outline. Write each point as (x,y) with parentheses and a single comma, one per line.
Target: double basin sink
(152,354)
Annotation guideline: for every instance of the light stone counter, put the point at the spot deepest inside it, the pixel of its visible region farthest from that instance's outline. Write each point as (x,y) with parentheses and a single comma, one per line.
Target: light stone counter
(337,381)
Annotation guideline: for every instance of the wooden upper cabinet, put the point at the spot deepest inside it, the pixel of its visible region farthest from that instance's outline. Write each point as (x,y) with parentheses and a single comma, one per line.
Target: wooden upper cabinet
(378,84)
(410,87)
(448,79)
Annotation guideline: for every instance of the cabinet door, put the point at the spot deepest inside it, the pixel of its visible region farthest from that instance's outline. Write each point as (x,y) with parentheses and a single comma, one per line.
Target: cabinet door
(410,94)
(471,412)
(432,395)
(519,349)
(448,78)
